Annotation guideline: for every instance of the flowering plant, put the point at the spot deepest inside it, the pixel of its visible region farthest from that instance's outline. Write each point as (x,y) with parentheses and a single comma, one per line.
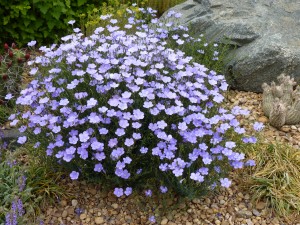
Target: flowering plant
(12,67)
(13,191)
(12,63)
(128,109)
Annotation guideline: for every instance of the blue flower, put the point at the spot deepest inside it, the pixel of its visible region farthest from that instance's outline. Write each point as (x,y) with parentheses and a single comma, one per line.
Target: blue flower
(22,140)
(225,182)
(74,175)
(258,126)
(118,192)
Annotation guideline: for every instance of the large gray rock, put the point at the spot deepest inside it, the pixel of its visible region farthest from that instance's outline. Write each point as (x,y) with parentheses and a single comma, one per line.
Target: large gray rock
(266,33)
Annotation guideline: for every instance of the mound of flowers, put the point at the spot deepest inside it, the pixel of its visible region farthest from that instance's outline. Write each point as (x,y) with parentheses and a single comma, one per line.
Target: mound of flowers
(124,107)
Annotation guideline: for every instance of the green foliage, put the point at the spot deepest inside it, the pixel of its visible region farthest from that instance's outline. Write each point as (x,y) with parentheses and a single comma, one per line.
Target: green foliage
(90,20)
(160,6)
(203,51)
(41,20)
(4,114)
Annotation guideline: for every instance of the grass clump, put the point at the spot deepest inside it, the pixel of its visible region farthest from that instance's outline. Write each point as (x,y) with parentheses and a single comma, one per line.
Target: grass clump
(276,176)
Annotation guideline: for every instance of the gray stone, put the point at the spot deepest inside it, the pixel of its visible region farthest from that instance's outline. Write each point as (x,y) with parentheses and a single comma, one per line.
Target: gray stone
(255,212)
(10,136)
(244,214)
(265,33)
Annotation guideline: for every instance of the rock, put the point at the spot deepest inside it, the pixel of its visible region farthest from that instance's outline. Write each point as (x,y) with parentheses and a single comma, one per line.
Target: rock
(171,223)
(82,216)
(128,219)
(74,202)
(115,205)
(255,212)
(112,198)
(99,220)
(265,33)
(64,214)
(225,223)
(275,221)
(244,214)
(263,119)
(63,203)
(164,221)
(249,222)
(10,136)
(260,205)
(196,201)
(247,196)
(93,191)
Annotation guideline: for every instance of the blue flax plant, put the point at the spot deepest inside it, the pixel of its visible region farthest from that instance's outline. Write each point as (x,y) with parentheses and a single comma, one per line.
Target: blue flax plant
(126,109)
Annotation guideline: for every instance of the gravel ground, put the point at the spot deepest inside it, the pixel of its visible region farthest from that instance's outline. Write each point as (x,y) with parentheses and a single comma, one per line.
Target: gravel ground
(229,207)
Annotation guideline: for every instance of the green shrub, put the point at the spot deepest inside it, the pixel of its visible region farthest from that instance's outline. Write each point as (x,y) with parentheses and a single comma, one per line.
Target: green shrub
(91,20)
(41,20)
(118,8)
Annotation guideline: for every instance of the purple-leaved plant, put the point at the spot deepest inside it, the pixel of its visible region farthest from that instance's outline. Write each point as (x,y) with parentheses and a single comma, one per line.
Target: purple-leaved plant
(120,103)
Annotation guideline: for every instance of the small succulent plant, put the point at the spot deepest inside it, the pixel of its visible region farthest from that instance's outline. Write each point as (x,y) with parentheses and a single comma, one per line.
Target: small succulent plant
(281,103)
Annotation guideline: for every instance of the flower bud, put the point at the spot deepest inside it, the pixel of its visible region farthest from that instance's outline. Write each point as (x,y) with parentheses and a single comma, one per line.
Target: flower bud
(13,45)
(27,56)
(11,54)
(6,46)
(5,77)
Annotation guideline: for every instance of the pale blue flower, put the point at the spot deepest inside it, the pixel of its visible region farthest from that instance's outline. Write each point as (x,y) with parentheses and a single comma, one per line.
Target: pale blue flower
(118,192)
(163,189)
(152,219)
(225,182)
(148,193)
(74,175)
(71,22)
(22,140)
(258,126)
(128,191)
(31,43)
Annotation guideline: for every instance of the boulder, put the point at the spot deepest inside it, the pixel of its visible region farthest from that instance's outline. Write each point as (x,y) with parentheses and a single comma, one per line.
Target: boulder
(265,33)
